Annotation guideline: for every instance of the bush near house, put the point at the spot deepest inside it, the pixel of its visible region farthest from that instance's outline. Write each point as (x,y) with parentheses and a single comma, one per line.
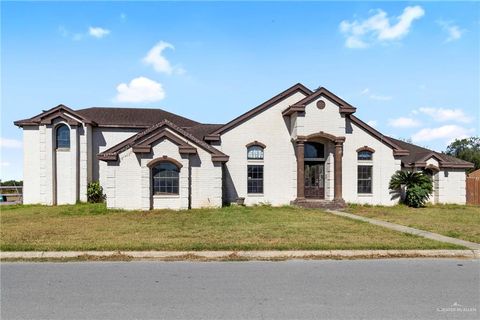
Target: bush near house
(95,192)
(418,187)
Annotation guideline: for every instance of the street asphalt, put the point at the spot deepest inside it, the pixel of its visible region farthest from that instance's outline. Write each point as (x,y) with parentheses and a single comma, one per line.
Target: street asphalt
(328,289)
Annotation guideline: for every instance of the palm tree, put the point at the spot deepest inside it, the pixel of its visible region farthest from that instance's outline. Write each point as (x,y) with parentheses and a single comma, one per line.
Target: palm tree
(415,181)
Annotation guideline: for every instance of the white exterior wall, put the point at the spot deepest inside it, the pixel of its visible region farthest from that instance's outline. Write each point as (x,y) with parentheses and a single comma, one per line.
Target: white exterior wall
(103,139)
(452,186)
(129,183)
(64,177)
(31,165)
(270,128)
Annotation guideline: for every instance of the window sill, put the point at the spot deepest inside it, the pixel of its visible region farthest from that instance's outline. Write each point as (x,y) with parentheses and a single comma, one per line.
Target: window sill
(365,194)
(255,194)
(63,149)
(163,196)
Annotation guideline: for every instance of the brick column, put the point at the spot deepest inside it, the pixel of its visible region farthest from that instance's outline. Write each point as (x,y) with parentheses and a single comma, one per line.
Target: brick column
(300,148)
(338,170)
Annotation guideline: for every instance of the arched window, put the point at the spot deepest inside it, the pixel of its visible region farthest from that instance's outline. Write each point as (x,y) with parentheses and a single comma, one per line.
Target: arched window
(165,176)
(62,137)
(314,150)
(365,155)
(255,152)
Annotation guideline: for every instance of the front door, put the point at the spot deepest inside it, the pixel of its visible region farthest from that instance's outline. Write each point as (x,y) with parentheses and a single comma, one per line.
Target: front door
(315,180)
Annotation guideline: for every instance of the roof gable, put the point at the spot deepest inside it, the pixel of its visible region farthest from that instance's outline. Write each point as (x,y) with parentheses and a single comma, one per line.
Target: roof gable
(344,107)
(142,142)
(215,135)
(60,111)
(418,157)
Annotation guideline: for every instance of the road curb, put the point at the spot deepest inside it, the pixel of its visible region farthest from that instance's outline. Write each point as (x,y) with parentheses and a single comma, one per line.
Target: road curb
(237,255)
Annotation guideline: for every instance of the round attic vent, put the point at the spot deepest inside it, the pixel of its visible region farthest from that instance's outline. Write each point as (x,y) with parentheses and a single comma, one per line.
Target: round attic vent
(320,104)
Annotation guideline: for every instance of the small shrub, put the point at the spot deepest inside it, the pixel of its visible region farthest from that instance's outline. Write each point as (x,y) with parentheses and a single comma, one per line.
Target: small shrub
(416,196)
(418,187)
(95,192)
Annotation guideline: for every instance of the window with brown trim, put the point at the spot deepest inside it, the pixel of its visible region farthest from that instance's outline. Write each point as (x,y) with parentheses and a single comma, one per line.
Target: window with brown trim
(165,176)
(62,137)
(364,179)
(255,152)
(365,155)
(255,179)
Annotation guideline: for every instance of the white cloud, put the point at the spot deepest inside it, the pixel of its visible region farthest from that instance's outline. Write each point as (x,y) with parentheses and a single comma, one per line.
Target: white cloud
(378,28)
(403,122)
(123,17)
(453,31)
(448,133)
(366,92)
(95,32)
(98,32)
(155,58)
(10,143)
(442,115)
(140,89)
(4,164)
(372,123)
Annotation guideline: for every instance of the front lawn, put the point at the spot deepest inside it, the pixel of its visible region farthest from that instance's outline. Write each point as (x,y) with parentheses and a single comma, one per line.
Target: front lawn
(93,227)
(462,222)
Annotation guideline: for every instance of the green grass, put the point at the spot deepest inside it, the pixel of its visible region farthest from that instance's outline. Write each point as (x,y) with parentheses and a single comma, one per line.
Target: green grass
(93,227)
(457,221)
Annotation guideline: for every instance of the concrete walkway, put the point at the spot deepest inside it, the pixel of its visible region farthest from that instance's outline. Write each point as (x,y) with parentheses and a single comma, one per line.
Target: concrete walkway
(401,228)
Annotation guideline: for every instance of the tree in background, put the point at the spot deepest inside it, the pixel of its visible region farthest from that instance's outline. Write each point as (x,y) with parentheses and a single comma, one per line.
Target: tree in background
(466,149)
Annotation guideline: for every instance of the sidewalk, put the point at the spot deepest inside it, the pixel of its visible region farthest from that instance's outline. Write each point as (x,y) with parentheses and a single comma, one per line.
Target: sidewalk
(401,228)
(236,255)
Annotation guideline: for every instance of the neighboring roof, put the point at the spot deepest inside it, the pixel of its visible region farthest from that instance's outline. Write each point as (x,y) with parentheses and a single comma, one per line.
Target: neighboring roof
(264,106)
(419,155)
(133,117)
(146,137)
(299,106)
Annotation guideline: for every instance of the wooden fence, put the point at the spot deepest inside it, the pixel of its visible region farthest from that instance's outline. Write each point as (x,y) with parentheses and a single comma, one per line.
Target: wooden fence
(473,190)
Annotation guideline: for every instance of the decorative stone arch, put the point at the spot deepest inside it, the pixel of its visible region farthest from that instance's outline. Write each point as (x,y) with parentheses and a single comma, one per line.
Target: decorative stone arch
(365,148)
(255,143)
(159,160)
(324,135)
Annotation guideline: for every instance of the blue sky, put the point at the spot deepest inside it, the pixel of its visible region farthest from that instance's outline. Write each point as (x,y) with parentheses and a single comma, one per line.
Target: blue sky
(411,68)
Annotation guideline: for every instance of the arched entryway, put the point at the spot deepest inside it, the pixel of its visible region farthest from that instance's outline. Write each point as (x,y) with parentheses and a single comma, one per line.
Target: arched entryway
(314,168)
(311,173)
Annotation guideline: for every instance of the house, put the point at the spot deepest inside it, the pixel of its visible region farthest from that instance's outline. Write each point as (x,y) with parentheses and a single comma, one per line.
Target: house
(301,146)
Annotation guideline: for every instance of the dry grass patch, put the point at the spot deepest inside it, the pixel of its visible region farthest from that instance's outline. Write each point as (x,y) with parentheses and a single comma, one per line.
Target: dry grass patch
(93,227)
(457,221)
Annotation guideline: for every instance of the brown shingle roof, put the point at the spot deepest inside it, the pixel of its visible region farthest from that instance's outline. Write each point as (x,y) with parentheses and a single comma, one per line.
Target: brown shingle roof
(419,154)
(133,117)
(112,153)
(202,130)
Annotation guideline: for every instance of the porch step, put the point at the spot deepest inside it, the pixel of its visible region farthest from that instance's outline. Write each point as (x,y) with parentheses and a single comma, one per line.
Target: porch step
(316,203)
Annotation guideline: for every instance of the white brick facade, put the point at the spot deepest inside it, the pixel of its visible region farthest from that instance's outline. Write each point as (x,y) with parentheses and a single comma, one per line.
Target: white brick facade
(217,173)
